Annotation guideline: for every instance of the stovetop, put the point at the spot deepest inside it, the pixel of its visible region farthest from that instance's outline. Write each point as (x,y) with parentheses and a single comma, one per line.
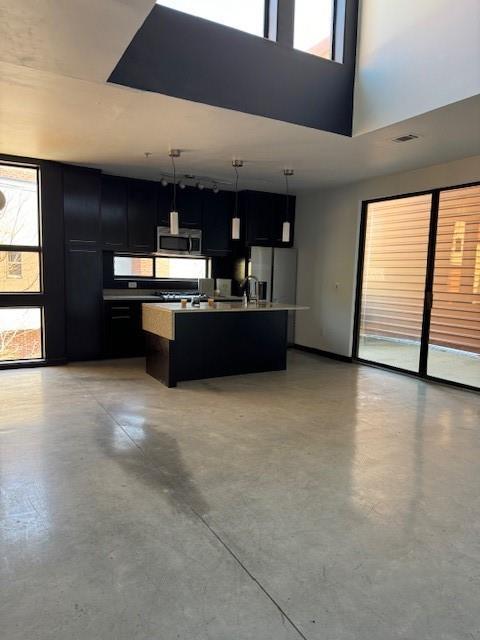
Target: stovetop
(176,296)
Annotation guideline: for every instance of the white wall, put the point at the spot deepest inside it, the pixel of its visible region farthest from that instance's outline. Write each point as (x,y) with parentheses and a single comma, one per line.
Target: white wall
(414,56)
(326,235)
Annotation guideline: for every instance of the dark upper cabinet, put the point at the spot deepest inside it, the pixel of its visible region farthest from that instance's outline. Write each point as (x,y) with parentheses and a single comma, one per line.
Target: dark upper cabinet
(258,208)
(217,220)
(114,213)
(81,189)
(164,205)
(264,215)
(141,215)
(189,202)
(189,207)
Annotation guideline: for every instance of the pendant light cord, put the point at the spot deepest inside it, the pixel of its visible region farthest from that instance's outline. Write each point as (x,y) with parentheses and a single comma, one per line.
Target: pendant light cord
(236,191)
(174,186)
(286,198)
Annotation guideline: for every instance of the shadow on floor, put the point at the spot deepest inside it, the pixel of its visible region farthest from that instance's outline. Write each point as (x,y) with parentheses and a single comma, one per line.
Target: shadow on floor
(156,460)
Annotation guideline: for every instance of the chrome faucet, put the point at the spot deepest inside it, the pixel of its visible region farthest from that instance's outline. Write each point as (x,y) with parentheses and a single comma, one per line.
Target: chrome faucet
(245,286)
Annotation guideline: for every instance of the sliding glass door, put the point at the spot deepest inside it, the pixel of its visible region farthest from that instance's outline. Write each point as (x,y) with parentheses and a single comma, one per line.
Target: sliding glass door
(393,287)
(454,341)
(418,302)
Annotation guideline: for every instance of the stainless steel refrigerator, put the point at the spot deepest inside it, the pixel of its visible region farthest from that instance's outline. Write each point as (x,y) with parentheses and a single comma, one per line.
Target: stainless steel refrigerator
(278,268)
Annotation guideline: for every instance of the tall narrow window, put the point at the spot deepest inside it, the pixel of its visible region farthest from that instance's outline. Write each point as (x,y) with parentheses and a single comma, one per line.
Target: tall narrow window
(313,27)
(21,326)
(247,15)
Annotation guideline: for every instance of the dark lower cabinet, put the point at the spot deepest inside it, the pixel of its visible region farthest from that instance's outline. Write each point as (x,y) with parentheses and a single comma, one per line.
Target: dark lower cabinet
(123,336)
(83,263)
(83,266)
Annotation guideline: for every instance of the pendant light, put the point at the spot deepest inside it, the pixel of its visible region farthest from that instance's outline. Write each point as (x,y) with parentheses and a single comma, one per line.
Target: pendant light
(286,223)
(236,164)
(174,226)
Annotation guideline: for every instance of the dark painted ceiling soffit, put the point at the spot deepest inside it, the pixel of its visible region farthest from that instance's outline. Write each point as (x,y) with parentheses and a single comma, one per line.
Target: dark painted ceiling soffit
(186,57)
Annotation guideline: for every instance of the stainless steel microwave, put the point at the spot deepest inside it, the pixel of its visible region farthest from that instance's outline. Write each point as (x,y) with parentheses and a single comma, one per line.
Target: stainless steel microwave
(188,242)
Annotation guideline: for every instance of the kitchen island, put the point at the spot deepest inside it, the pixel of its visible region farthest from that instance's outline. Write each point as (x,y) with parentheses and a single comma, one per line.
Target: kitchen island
(191,343)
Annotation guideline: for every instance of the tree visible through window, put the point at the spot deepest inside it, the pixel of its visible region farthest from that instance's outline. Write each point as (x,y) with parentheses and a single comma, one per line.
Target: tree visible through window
(14,264)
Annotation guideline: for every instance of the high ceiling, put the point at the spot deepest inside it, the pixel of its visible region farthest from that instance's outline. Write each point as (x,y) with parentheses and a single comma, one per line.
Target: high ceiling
(55,104)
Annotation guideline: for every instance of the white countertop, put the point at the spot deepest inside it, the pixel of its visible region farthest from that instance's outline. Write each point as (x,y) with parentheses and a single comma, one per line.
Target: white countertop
(159,318)
(176,307)
(130,298)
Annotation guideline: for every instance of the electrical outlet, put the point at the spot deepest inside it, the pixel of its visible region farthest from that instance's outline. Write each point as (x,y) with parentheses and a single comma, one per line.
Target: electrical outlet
(132,285)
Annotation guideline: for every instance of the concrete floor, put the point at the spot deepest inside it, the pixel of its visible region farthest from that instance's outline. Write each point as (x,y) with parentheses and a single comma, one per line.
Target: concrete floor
(328,502)
(447,364)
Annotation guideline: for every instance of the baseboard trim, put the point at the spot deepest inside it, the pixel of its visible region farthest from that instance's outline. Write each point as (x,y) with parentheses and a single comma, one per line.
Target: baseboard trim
(324,354)
(30,364)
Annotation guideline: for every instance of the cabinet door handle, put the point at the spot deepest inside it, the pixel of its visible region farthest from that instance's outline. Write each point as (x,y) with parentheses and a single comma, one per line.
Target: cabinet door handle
(120,308)
(121,317)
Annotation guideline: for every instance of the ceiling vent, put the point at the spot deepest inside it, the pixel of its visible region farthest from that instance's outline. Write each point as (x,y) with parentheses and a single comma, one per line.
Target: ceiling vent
(406,138)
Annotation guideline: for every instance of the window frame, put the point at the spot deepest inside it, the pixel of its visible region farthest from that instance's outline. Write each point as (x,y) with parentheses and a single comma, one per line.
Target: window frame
(20,248)
(28,299)
(428,299)
(336,5)
(154,278)
(279,26)
(267,9)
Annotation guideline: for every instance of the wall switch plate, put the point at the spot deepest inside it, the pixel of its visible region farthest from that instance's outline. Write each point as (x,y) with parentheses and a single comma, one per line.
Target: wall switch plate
(132,285)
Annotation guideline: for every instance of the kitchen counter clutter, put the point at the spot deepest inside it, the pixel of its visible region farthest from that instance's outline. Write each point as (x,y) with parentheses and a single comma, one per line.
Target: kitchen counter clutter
(190,343)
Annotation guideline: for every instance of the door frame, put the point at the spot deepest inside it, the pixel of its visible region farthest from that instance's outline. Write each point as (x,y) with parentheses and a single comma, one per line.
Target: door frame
(428,294)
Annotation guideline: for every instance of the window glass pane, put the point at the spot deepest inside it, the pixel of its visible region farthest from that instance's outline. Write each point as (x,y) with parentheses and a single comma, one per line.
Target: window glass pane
(454,348)
(21,334)
(181,268)
(19,271)
(313,27)
(133,267)
(247,15)
(393,286)
(19,217)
